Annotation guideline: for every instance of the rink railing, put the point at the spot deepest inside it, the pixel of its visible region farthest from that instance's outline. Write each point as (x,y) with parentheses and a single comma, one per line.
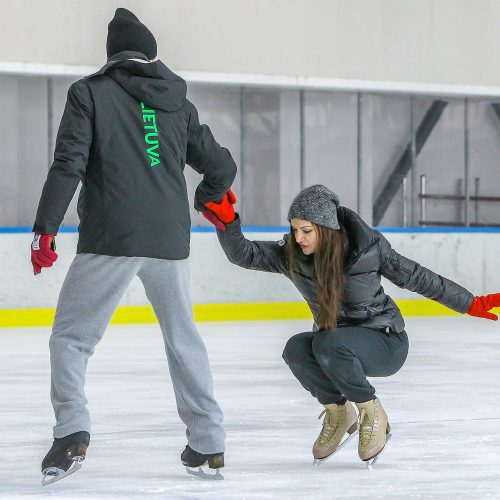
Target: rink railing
(209,307)
(285,229)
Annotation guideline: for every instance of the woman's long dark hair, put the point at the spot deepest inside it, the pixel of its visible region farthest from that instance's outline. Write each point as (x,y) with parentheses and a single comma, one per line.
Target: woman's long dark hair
(328,271)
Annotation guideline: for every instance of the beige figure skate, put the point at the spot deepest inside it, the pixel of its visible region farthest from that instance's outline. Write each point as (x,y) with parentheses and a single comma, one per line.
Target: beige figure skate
(374,431)
(339,420)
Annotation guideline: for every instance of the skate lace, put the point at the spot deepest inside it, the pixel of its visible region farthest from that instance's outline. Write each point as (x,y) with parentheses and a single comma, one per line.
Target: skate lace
(368,427)
(330,425)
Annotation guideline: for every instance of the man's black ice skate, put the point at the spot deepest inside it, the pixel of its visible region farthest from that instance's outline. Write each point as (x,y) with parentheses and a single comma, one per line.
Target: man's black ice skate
(192,459)
(65,457)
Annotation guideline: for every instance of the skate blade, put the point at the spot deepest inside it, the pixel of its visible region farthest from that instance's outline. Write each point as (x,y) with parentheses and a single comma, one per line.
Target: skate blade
(371,463)
(53,474)
(204,475)
(318,461)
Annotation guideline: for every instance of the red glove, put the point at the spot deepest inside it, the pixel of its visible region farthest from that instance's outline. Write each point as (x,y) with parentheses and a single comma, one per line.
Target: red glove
(42,251)
(482,304)
(220,214)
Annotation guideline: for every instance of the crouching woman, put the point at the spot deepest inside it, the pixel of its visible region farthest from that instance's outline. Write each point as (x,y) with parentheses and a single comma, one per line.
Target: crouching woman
(336,261)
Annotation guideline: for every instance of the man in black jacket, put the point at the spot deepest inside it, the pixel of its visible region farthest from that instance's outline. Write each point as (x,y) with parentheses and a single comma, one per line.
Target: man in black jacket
(126,134)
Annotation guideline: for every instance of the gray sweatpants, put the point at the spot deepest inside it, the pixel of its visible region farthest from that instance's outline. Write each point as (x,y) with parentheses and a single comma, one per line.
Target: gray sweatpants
(90,294)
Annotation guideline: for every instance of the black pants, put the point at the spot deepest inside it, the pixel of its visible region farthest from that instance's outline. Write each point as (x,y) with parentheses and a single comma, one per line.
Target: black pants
(333,365)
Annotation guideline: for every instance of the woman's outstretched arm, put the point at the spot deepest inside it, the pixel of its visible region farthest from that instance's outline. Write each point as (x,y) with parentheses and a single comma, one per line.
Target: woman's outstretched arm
(410,275)
(267,256)
(257,255)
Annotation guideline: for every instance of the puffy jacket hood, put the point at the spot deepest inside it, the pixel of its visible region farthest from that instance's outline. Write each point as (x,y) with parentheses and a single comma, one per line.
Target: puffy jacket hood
(361,236)
(150,82)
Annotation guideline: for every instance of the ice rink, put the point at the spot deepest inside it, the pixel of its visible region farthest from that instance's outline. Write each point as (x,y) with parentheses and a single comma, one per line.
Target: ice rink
(444,409)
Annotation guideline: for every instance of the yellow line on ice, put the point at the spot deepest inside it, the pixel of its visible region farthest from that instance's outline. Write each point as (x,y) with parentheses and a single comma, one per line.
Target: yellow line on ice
(215,312)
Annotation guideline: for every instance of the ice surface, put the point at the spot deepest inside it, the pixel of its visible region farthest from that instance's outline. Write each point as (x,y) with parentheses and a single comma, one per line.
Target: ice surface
(444,408)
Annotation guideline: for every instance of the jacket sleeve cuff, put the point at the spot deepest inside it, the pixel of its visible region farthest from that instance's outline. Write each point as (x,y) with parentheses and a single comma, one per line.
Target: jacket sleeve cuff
(45,229)
(470,299)
(233,227)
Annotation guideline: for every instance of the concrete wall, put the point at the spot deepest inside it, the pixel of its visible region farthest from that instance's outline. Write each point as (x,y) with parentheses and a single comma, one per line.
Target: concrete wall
(426,41)
(468,259)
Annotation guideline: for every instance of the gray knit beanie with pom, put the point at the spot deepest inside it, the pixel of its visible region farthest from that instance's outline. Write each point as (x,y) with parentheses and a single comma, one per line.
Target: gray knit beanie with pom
(316,204)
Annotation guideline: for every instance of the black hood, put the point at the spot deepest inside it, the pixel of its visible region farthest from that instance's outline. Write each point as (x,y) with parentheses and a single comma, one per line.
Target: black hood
(360,235)
(152,83)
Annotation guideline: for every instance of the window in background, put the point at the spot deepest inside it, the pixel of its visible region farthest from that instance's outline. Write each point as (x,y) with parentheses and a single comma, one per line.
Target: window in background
(283,140)
(484,162)
(23,147)
(442,162)
(330,130)
(219,108)
(386,135)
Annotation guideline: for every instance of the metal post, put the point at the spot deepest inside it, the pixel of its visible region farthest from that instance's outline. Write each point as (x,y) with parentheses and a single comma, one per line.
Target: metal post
(405,202)
(423,191)
(242,151)
(413,167)
(476,202)
(302,139)
(466,162)
(359,147)
(50,120)
(302,105)
(460,193)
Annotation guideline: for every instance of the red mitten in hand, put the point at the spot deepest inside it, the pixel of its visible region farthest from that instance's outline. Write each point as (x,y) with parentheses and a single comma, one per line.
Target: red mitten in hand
(42,251)
(220,214)
(482,304)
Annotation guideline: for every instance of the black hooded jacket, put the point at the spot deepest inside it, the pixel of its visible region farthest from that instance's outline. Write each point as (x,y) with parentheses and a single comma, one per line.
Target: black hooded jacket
(369,257)
(126,133)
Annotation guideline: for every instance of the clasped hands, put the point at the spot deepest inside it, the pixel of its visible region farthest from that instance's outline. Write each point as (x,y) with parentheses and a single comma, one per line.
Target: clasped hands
(220,214)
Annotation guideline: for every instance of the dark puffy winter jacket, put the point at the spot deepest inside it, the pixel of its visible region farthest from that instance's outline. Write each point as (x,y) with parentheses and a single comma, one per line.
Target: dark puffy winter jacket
(370,256)
(126,134)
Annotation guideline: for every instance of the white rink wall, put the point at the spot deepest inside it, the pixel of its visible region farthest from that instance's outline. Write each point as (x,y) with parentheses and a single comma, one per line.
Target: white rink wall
(470,259)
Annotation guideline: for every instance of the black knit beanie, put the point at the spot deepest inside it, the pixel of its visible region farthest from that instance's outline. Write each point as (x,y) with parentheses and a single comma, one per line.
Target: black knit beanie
(126,32)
